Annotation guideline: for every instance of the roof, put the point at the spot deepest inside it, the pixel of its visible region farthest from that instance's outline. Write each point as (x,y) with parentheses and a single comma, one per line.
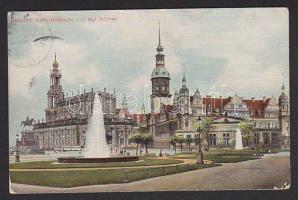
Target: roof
(160,72)
(256,105)
(140,117)
(215,102)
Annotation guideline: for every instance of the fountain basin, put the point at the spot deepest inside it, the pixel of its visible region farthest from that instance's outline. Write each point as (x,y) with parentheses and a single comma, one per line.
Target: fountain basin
(97,160)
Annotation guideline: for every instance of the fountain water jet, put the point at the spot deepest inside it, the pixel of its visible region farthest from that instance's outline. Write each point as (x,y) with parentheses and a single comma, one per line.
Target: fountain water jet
(96,145)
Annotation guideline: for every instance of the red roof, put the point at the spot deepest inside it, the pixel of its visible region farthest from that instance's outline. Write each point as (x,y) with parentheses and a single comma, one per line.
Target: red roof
(256,106)
(216,102)
(139,117)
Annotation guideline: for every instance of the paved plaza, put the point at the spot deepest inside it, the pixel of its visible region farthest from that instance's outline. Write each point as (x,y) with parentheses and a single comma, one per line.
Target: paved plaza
(266,173)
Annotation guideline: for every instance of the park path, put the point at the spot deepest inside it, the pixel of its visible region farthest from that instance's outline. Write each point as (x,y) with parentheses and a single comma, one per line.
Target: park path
(265,173)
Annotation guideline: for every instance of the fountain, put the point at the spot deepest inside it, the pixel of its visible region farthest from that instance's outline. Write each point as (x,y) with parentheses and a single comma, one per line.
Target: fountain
(239,144)
(96,145)
(96,149)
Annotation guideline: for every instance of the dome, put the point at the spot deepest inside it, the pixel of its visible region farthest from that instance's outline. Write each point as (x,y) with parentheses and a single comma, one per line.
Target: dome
(55,63)
(160,72)
(283,96)
(197,93)
(184,90)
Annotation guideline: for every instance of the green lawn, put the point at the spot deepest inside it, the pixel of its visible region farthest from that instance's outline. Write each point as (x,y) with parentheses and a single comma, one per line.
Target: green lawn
(221,156)
(50,165)
(72,178)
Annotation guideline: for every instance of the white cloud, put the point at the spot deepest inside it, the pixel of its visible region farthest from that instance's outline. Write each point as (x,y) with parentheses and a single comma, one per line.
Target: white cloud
(38,64)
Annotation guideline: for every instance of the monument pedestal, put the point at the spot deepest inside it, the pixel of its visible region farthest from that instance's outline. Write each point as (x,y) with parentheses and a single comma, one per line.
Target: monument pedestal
(200,157)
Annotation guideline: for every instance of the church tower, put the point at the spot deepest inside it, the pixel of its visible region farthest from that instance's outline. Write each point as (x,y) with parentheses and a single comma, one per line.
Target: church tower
(160,79)
(284,117)
(55,91)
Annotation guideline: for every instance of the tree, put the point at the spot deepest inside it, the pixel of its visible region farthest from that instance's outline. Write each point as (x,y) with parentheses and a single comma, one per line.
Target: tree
(188,140)
(246,128)
(146,140)
(206,126)
(136,138)
(174,141)
(180,141)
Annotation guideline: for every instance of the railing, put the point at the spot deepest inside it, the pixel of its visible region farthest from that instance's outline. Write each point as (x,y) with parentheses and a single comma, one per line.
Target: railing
(148,172)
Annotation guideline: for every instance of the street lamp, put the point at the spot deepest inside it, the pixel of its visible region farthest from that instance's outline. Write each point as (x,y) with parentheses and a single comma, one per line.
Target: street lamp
(17,158)
(199,153)
(256,137)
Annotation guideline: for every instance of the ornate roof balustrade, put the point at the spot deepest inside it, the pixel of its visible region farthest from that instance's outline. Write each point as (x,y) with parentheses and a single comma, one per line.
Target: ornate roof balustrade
(83,121)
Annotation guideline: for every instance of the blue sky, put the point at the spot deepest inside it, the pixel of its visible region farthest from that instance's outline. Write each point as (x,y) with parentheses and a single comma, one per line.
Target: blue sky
(243,51)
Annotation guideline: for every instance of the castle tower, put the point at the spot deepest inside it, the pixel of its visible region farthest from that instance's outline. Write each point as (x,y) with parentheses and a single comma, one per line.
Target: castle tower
(160,79)
(197,103)
(184,97)
(284,117)
(124,110)
(176,101)
(55,91)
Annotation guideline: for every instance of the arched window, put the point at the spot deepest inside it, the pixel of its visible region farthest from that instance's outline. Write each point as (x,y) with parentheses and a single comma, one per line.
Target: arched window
(186,122)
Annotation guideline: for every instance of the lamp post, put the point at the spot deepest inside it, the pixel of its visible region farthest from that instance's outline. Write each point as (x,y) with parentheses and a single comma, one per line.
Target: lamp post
(113,135)
(125,137)
(256,137)
(17,158)
(199,153)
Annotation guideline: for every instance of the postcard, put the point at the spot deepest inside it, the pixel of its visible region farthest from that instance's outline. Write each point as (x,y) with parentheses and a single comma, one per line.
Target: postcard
(149,100)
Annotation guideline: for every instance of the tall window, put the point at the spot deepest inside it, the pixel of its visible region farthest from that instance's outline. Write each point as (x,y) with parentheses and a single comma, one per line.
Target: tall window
(186,122)
(256,138)
(274,138)
(226,138)
(265,137)
(212,140)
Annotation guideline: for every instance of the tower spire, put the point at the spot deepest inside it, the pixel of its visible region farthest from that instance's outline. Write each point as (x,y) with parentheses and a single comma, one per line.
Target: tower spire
(283,86)
(159,47)
(159,33)
(183,79)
